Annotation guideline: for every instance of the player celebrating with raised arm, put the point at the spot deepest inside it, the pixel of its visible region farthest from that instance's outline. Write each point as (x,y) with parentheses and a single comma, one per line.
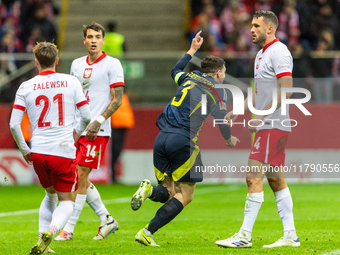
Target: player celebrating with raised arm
(176,154)
(272,70)
(102,79)
(51,100)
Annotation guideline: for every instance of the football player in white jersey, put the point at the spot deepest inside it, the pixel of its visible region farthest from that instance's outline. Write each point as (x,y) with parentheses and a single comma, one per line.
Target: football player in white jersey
(102,79)
(272,70)
(50,100)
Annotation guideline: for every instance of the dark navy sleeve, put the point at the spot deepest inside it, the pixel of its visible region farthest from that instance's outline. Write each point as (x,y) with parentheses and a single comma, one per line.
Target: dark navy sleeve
(219,110)
(225,131)
(177,71)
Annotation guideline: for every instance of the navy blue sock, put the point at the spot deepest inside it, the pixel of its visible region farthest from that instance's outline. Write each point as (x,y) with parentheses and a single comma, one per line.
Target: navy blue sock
(159,194)
(165,214)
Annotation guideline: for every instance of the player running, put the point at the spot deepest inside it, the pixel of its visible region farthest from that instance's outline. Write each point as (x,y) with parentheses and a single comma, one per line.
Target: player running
(102,79)
(50,100)
(273,69)
(176,153)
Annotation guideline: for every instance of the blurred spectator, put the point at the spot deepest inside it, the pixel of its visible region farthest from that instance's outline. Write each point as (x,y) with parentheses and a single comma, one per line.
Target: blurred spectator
(28,8)
(230,15)
(301,68)
(325,18)
(254,5)
(240,42)
(321,67)
(197,6)
(7,45)
(114,42)
(288,30)
(33,38)
(39,22)
(209,23)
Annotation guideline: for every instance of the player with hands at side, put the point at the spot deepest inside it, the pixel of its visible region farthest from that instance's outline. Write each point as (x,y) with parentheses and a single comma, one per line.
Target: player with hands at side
(272,71)
(50,100)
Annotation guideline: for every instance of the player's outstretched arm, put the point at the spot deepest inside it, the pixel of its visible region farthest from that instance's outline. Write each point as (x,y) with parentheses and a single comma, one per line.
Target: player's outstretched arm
(196,43)
(93,128)
(177,71)
(15,125)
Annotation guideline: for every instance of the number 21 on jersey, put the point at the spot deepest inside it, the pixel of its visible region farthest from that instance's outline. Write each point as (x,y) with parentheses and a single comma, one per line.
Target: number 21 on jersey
(44,100)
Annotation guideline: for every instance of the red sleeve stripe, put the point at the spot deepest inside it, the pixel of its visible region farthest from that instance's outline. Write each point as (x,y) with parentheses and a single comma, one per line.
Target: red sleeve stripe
(284,74)
(81,104)
(19,107)
(117,84)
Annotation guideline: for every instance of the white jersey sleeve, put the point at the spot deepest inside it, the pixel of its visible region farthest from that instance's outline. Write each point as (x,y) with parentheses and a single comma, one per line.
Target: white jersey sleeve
(15,125)
(116,74)
(282,63)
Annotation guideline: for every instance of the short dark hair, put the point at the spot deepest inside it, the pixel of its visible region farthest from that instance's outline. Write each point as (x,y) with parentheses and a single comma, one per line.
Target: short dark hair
(46,53)
(267,16)
(94,26)
(212,64)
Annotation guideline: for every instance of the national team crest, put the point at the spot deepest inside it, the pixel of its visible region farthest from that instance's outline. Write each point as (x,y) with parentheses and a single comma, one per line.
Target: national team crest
(87,73)
(258,63)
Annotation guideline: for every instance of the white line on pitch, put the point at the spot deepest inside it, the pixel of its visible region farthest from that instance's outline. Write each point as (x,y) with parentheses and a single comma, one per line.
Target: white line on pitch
(127,199)
(335,252)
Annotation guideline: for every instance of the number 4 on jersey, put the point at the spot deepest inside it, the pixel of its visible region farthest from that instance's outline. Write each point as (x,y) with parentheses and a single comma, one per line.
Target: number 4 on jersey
(257,143)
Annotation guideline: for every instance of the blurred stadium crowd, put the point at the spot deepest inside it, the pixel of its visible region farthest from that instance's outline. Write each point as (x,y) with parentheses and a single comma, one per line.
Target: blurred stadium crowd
(22,24)
(304,26)
(308,27)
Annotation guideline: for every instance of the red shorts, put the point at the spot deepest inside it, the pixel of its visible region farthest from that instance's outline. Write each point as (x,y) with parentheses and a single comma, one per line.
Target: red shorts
(90,153)
(59,172)
(269,146)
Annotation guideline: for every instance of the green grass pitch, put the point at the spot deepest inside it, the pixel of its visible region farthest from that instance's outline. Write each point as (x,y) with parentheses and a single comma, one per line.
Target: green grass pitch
(215,213)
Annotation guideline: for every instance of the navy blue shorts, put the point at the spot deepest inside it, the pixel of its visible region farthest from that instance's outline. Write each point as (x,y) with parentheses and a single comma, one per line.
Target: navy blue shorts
(176,156)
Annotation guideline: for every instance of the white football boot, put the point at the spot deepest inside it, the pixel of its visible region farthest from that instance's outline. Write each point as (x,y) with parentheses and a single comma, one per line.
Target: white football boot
(284,242)
(236,241)
(141,194)
(64,236)
(107,229)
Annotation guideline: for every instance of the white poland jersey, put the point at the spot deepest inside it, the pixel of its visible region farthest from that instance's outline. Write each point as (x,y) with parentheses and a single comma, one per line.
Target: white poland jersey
(97,79)
(271,63)
(51,99)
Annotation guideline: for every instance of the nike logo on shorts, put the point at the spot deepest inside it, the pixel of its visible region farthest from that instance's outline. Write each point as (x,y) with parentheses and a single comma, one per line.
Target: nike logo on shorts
(89,160)
(254,152)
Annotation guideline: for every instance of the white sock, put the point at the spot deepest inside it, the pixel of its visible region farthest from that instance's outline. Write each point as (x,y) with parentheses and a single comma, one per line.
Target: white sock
(61,214)
(96,203)
(252,207)
(78,207)
(47,207)
(284,204)
(147,232)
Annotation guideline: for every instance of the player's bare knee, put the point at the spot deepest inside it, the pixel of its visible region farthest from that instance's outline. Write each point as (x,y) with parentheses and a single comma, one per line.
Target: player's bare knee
(251,182)
(277,184)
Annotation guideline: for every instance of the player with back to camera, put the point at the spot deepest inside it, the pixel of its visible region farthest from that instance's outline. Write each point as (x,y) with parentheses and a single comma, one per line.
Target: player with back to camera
(102,79)
(50,100)
(273,69)
(175,153)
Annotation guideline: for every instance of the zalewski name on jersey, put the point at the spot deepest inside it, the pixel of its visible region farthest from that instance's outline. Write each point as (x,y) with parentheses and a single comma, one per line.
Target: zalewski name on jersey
(50,85)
